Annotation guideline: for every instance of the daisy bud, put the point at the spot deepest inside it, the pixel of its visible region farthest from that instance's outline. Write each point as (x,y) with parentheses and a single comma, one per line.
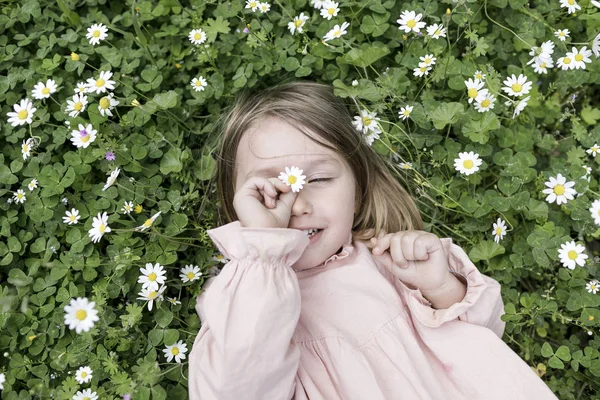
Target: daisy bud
(74,56)
(135,103)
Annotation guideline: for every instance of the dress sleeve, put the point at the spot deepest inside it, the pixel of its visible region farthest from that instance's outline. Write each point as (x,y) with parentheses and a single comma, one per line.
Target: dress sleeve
(249,313)
(482,304)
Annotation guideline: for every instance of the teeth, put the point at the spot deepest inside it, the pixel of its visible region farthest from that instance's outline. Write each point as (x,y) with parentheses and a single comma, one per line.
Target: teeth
(310,231)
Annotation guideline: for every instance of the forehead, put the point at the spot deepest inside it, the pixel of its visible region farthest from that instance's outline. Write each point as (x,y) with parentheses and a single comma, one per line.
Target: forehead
(272,144)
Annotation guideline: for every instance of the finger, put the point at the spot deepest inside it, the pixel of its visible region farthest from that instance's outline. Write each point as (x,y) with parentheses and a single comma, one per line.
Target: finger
(421,246)
(382,245)
(397,251)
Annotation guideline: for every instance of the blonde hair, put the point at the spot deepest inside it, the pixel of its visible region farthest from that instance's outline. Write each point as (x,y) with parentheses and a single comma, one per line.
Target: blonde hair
(382,201)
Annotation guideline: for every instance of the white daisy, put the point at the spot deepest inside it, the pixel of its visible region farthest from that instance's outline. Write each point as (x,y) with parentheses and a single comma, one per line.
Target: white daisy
(151,295)
(330,9)
(406,165)
(220,258)
(474,89)
(596,3)
(421,71)
(32,185)
(542,67)
(127,207)
(106,104)
(517,86)
(293,177)
(22,114)
(410,21)
(595,211)
(467,163)
(593,150)
(428,60)
(2,377)
(99,227)
(148,222)
(76,105)
(499,230)
(565,63)
(542,53)
(197,36)
(298,23)
(559,190)
(81,315)
(593,286)
(96,33)
(173,300)
(71,217)
(81,88)
(83,137)
(19,196)
(370,138)
(318,4)
(596,46)
(436,31)
(264,7)
(83,375)
(199,83)
(43,90)
(562,34)
(190,273)
(86,394)
(176,350)
(152,275)
(336,32)
(571,255)
(520,106)
(580,57)
(26,148)
(253,4)
(480,76)
(366,121)
(111,179)
(570,5)
(485,101)
(102,84)
(404,112)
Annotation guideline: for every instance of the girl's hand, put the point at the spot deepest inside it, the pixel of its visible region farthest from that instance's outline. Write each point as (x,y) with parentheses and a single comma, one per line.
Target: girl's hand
(264,203)
(417,258)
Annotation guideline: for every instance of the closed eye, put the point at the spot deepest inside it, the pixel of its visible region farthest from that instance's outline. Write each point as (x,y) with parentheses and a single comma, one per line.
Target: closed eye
(320,180)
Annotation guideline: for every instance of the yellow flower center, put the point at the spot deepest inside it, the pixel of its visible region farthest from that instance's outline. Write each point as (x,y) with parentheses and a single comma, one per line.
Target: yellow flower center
(561,34)
(152,277)
(220,257)
(572,254)
(543,65)
(72,217)
(423,69)
(411,24)
(566,60)
(100,83)
(472,93)
(331,11)
(197,36)
(337,33)
(102,228)
(367,121)
(104,103)
(81,315)
(252,4)
(437,32)
(175,351)
(498,231)
(78,106)
(96,33)
(578,57)
(599,212)
(198,83)
(485,103)
(406,113)
(468,164)
(479,76)
(559,189)
(25,148)
(85,138)
(45,90)
(148,222)
(298,23)
(516,87)
(23,114)
(86,398)
(427,60)
(292,179)
(83,374)
(190,275)
(152,295)
(20,196)
(571,2)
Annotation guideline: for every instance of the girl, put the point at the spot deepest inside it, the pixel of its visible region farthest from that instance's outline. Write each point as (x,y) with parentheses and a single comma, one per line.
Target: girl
(317,300)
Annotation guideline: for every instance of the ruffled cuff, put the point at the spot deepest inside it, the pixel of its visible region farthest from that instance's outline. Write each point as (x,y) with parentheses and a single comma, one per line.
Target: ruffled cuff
(266,245)
(461,266)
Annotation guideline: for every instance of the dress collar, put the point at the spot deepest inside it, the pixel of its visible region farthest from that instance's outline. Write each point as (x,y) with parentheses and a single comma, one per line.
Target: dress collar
(347,249)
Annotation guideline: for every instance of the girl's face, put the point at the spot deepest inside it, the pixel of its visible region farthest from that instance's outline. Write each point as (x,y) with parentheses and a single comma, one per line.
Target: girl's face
(327,199)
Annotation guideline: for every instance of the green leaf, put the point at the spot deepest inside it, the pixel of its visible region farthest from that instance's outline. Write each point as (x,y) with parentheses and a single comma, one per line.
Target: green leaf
(205,168)
(477,129)
(555,362)
(166,100)
(447,113)
(563,353)
(366,55)
(590,115)
(547,350)
(485,250)
(171,161)
(163,318)
(18,278)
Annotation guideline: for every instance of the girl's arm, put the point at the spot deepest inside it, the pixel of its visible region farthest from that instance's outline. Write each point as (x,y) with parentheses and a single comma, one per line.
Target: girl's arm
(244,349)
(481,305)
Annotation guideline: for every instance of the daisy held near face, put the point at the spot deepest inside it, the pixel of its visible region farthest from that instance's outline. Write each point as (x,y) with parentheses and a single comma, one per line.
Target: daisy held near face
(271,144)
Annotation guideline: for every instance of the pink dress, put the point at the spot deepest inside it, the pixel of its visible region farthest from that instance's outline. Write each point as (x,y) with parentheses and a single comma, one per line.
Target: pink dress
(347,329)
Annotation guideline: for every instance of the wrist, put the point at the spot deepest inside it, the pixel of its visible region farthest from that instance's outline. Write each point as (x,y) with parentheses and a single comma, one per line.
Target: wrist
(453,290)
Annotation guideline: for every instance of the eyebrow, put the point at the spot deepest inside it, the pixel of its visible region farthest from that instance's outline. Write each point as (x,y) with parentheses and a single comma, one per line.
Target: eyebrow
(321,160)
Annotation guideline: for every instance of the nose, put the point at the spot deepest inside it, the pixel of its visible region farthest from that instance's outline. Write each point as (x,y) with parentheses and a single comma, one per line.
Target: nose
(301,205)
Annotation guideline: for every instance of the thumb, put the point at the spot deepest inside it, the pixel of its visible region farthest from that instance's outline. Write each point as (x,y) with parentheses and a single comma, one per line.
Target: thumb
(288,199)
(385,259)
